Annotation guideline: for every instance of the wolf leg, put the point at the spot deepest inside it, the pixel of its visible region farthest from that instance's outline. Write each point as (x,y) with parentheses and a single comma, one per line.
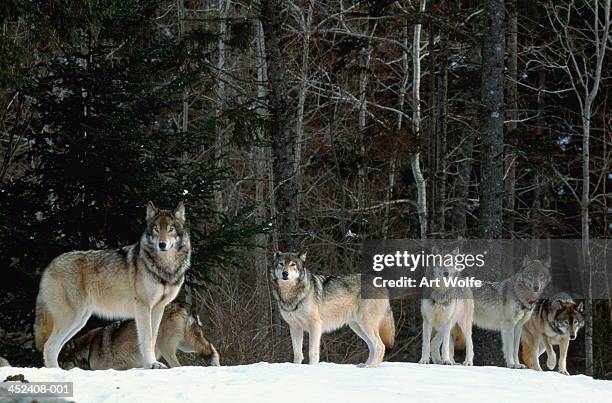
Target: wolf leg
(507,333)
(445,332)
(64,328)
(466,328)
(551,357)
(518,330)
(171,359)
(297,339)
(375,344)
(142,317)
(535,353)
(426,346)
(436,346)
(156,316)
(314,341)
(359,332)
(563,347)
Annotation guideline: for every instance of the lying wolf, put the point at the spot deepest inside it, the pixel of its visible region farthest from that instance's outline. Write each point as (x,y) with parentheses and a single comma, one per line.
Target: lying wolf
(555,321)
(116,345)
(319,304)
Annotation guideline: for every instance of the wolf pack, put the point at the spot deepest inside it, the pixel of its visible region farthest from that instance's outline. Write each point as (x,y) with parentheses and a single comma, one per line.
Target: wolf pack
(138,284)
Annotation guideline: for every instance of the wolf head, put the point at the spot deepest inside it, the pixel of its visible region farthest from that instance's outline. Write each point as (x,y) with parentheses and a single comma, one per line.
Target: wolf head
(567,317)
(288,266)
(165,228)
(533,278)
(443,263)
(195,340)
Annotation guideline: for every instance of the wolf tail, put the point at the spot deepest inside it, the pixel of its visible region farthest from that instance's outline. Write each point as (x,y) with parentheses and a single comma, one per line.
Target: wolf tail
(387,329)
(214,357)
(43,325)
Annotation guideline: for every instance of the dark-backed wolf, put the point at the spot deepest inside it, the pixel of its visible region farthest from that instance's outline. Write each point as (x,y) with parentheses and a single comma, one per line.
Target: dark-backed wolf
(319,304)
(555,321)
(116,345)
(135,281)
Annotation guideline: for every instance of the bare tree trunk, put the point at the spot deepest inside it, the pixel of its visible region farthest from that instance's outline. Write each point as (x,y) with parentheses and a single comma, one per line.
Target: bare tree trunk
(224,6)
(586,253)
(299,125)
(181,24)
(279,127)
(261,161)
(510,155)
(415,158)
(491,124)
(366,55)
(441,132)
(400,118)
(462,186)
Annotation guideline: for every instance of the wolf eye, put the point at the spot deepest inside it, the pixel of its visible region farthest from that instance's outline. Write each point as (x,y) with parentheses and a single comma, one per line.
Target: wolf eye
(171,229)
(155,228)
(566,322)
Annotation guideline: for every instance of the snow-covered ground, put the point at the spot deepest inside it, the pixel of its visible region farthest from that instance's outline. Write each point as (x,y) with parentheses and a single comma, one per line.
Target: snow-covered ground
(263,382)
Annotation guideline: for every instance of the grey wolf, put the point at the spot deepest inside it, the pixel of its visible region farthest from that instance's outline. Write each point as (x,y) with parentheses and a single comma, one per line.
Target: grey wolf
(116,345)
(320,304)
(135,281)
(507,305)
(445,307)
(555,321)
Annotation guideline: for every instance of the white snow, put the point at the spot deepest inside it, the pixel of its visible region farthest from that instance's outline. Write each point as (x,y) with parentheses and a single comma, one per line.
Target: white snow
(263,382)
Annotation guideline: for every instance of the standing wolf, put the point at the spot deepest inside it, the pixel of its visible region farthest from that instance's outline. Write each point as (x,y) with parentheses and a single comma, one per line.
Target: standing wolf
(320,304)
(116,345)
(445,307)
(555,321)
(507,305)
(135,281)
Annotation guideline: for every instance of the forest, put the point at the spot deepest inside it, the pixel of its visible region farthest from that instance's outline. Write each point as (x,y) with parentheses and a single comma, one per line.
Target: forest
(300,124)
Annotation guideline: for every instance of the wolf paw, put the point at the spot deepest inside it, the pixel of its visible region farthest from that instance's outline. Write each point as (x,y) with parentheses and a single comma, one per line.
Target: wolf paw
(365,365)
(468,363)
(518,366)
(563,371)
(447,362)
(551,361)
(424,361)
(158,365)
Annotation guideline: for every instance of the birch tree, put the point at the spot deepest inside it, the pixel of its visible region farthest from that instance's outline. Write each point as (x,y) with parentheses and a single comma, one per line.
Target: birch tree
(415,158)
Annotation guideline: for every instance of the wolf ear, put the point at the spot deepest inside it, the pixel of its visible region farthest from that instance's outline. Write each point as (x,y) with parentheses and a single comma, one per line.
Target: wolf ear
(580,307)
(275,254)
(547,262)
(526,260)
(179,211)
(151,210)
(303,255)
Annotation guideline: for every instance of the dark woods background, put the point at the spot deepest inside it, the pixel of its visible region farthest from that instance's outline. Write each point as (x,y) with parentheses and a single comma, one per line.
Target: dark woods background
(301,131)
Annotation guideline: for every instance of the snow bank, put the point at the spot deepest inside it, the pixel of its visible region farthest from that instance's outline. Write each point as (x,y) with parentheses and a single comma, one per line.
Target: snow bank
(263,382)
